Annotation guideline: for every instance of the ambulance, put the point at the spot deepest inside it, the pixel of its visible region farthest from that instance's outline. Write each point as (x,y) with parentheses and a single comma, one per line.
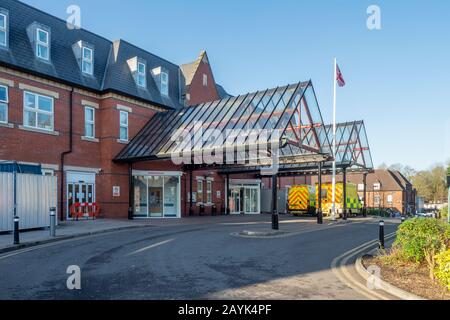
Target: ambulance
(354,205)
(302,200)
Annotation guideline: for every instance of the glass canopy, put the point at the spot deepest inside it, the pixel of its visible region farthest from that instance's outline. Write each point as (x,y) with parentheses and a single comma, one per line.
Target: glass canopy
(247,129)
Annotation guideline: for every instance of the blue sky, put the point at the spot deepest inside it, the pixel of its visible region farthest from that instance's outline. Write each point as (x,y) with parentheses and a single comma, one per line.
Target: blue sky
(398,78)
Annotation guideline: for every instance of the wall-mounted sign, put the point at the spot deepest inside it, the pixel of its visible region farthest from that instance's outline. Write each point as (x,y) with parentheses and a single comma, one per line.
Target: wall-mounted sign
(219,194)
(116,191)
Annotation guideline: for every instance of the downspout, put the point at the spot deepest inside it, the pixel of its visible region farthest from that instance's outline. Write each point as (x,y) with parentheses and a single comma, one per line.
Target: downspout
(63,155)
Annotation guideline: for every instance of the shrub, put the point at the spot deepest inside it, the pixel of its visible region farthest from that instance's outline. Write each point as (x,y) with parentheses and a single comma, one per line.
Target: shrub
(421,239)
(444,212)
(442,271)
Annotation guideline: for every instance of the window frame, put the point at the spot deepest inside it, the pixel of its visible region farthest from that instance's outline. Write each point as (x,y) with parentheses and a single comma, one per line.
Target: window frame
(200,191)
(84,60)
(209,195)
(165,92)
(6,103)
(89,122)
(39,42)
(124,126)
(37,111)
(139,74)
(5,29)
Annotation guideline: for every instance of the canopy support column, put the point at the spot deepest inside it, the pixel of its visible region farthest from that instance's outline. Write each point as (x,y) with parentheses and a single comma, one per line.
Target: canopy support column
(228,195)
(319,206)
(275,217)
(344,179)
(130,192)
(365,194)
(191,200)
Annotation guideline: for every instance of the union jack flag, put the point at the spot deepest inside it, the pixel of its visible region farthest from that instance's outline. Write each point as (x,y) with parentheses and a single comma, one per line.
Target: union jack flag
(339,77)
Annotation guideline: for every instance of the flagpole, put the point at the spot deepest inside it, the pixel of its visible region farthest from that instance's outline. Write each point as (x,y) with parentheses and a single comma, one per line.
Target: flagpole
(333,209)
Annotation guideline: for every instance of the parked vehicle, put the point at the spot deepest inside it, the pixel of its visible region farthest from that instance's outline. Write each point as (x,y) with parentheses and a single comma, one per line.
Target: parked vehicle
(354,204)
(302,200)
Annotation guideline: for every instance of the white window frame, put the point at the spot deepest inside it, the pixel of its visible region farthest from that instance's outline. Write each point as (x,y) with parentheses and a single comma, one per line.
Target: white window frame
(85,60)
(37,110)
(89,122)
(205,80)
(141,74)
(123,126)
(164,84)
(209,199)
(6,103)
(5,30)
(44,44)
(200,191)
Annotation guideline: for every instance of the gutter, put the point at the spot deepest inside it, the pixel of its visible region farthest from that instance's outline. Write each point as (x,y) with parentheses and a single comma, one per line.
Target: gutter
(64,154)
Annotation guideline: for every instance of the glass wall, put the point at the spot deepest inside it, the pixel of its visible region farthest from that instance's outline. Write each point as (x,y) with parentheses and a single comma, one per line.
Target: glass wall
(156,196)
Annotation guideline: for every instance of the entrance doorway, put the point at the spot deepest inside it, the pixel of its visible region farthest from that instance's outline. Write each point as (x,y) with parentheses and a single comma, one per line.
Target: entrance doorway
(80,189)
(245,200)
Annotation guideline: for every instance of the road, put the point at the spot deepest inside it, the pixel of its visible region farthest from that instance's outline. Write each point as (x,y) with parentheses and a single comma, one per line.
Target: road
(193,261)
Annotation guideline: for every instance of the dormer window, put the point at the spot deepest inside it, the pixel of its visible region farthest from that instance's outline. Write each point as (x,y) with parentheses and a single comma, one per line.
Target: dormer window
(161,77)
(3,29)
(87,61)
(42,44)
(164,83)
(138,68)
(141,75)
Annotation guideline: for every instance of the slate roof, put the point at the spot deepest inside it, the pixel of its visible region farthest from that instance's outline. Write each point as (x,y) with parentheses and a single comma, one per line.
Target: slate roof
(111,71)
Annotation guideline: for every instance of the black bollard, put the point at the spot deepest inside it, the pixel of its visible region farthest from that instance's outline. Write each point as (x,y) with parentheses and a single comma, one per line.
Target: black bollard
(16,230)
(382,234)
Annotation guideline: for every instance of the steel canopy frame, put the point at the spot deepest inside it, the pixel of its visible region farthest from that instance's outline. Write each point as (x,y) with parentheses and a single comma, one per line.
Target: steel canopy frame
(290,115)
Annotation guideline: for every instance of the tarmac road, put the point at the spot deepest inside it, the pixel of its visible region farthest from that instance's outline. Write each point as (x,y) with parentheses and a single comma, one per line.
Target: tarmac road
(192,261)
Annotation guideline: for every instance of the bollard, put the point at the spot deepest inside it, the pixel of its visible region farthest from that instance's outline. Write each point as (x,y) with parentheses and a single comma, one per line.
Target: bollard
(16,230)
(275,224)
(403,219)
(52,222)
(382,234)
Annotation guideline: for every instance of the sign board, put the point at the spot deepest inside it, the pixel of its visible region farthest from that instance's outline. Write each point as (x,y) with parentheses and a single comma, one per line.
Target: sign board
(116,191)
(219,194)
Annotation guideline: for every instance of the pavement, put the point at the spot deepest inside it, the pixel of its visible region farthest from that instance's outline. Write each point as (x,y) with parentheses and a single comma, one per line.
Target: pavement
(197,258)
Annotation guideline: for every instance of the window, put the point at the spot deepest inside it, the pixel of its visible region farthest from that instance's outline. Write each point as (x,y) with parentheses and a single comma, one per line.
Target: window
(38,111)
(209,191)
(200,191)
(390,199)
(3,104)
(42,44)
(141,75)
(3,30)
(164,83)
(377,186)
(205,80)
(377,200)
(123,126)
(87,61)
(361,187)
(89,122)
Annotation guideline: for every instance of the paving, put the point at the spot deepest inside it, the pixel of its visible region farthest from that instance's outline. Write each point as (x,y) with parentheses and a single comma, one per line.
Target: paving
(195,258)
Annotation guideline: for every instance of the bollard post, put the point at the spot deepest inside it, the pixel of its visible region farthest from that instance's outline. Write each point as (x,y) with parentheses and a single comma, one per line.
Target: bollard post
(382,234)
(52,222)
(403,219)
(16,230)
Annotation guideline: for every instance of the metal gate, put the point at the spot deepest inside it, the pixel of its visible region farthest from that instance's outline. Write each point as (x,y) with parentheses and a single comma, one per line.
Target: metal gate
(35,196)
(266,200)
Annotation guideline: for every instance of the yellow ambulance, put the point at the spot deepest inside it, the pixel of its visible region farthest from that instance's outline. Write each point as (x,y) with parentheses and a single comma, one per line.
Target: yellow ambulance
(354,205)
(302,200)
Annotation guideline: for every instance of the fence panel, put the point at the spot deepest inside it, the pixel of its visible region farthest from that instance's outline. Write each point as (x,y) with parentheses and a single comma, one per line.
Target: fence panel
(6,201)
(36,194)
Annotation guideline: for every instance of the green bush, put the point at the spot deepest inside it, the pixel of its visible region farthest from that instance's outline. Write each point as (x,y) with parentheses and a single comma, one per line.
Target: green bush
(442,271)
(421,239)
(444,212)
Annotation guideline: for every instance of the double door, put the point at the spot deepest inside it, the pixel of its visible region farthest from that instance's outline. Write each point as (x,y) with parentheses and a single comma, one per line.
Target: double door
(80,192)
(245,200)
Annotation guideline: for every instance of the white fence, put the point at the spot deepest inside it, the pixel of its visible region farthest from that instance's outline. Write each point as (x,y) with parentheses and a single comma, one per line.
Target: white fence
(35,196)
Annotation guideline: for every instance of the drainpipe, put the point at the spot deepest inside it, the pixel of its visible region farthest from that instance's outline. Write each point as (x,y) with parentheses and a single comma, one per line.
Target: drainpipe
(130,192)
(63,155)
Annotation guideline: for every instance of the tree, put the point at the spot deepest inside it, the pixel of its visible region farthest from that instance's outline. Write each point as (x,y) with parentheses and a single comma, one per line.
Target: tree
(431,184)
